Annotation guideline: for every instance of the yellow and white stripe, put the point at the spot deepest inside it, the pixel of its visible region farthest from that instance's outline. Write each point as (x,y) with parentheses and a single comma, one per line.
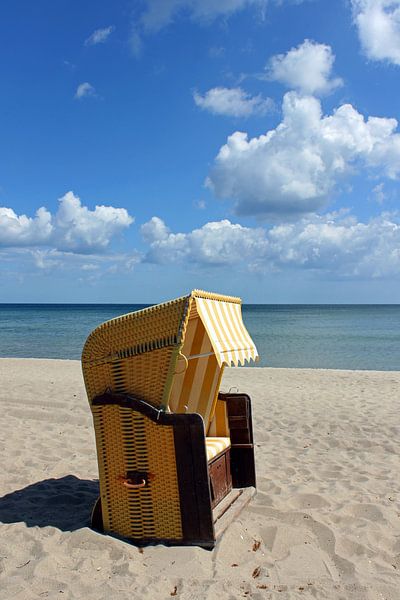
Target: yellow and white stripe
(225,328)
(215,336)
(196,388)
(216,445)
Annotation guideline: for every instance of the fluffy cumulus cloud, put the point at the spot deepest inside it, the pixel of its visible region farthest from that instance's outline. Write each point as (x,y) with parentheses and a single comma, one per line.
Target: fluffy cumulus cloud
(160,13)
(99,36)
(378,24)
(292,170)
(20,230)
(84,90)
(233,102)
(307,68)
(73,228)
(333,243)
(339,244)
(216,243)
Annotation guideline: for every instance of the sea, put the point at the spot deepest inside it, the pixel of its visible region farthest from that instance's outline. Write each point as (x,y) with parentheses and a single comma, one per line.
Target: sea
(321,336)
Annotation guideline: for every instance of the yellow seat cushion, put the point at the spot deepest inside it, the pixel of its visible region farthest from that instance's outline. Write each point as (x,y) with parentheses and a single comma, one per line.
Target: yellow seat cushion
(216,445)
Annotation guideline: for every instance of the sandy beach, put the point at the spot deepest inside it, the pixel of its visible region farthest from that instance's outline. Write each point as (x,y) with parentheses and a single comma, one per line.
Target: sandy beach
(325,523)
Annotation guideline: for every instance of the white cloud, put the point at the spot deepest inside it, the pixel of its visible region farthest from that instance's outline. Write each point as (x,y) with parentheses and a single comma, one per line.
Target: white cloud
(379,193)
(154,230)
(294,168)
(216,243)
(84,90)
(82,229)
(216,51)
(339,244)
(200,204)
(73,228)
(151,16)
(306,68)
(378,23)
(135,43)
(99,36)
(160,13)
(21,230)
(335,244)
(96,264)
(233,102)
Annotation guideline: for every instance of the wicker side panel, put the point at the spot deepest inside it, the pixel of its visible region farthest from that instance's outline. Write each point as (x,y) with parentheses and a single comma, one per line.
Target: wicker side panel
(143,376)
(136,333)
(128,441)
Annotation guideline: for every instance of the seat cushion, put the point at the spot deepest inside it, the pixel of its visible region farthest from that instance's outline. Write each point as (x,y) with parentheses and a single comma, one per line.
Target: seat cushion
(216,445)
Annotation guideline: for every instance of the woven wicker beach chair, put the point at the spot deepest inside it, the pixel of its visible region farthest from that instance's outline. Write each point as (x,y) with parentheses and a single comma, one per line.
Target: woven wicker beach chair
(175,456)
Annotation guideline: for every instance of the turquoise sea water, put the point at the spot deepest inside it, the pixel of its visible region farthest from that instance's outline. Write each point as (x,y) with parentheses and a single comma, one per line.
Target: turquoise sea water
(317,336)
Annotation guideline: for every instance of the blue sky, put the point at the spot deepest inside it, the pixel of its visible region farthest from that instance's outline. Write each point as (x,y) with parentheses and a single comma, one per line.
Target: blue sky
(247,146)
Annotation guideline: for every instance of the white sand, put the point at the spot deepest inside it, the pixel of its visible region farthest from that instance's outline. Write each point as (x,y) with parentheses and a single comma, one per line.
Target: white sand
(327,512)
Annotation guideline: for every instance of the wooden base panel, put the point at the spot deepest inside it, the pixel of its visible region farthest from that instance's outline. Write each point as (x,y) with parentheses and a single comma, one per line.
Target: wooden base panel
(230,507)
(223,515)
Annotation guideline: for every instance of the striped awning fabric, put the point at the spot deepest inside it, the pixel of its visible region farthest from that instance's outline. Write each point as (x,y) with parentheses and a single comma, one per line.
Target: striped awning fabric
(228,336)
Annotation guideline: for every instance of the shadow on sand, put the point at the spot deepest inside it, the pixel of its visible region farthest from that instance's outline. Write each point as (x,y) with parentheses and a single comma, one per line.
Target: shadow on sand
(65,503)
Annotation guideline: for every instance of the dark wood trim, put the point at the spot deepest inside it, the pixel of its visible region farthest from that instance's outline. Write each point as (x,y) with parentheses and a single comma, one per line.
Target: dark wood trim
(241,433)
(194,490)
(160,417)
(242,445)
(219,469)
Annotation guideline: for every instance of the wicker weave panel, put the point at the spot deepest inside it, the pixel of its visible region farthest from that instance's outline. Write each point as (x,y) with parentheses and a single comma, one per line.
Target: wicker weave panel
(136,333)
(135,353)
(127,440)
(143,376)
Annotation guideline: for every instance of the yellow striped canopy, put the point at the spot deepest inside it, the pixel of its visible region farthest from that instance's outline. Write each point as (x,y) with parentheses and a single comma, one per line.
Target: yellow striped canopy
(214,336)
(171,355)
(225,328)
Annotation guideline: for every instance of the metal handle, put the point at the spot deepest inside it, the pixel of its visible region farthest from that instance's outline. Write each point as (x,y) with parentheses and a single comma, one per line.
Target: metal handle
(180,355)
(126,483)
(134,480)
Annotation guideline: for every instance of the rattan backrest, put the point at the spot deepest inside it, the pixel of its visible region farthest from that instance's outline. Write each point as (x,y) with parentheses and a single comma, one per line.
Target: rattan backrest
(136,353)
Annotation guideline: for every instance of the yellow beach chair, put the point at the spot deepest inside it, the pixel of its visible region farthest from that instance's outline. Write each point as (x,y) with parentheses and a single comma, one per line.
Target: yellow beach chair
(175,456)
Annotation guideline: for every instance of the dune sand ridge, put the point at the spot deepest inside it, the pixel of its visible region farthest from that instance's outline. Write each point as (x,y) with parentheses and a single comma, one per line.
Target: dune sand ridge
(325,523)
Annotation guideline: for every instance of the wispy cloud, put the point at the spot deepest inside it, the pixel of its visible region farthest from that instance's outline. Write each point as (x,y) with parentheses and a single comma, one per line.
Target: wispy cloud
(69,65)
(216,51)
(200,204)
(233,102)
(99,36)
(160,13)
(379,193)
(153,15)
(84,90)
(21,263)
(135,42)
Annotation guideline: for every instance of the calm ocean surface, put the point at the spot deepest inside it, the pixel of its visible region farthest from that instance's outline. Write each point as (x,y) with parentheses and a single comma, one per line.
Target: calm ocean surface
(318,336)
